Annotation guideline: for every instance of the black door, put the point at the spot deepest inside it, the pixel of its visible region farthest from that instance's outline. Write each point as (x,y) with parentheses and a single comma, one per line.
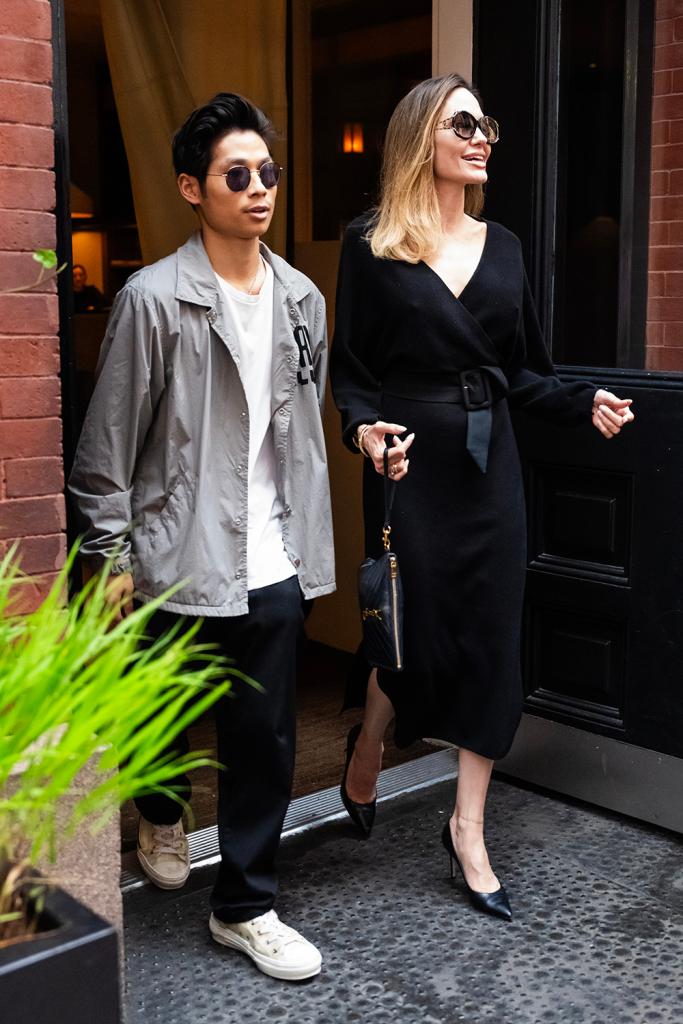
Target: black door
(603,636)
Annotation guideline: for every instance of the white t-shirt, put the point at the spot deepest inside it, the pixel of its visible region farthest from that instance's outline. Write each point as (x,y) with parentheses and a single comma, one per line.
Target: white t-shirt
(267,560)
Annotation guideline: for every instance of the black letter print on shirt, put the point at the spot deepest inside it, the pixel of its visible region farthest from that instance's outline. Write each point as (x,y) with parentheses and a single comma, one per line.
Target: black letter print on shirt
(303,340)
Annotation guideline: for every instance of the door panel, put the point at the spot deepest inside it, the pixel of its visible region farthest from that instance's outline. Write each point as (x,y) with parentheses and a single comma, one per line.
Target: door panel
(604,617)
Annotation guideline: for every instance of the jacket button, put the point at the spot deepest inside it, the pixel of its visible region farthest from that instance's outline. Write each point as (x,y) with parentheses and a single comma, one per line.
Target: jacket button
(243,413)
(238,575)
(238,522)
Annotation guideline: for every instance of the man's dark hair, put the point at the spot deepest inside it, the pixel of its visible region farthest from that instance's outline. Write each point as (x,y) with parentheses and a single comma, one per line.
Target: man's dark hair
(227,112)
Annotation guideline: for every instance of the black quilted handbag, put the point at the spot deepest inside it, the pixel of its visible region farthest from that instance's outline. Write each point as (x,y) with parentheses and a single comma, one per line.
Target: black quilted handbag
(381,595)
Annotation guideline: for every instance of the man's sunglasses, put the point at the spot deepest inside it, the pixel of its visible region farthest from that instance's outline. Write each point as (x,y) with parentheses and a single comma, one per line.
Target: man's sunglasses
(238,178)
(465,125)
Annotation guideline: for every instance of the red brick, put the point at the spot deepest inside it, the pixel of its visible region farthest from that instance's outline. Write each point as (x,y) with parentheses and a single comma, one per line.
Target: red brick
(659,233)
(660,133)
(24,61)
(667,107)
(668,158)
(665,309)
(676,183)
(676,80)
(29,595)
(26,103)
(669,9)
(670,56)
(38,554)
(673,335)
(656,287)
(30,19)
(665,359)
(662,83)
(655,337)
(29,357)
(675,237)
(666,208)
(673,284)
(678,29)
(31,477)
(26,313)
(17,269)
(675,131)
(26,230)
(27,517)
(24,145)
(660,183)
(29,397)
(664,31)
(23,439)
(22,188)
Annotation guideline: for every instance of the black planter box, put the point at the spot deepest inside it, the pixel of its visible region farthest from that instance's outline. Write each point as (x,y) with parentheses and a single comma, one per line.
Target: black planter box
(69,975)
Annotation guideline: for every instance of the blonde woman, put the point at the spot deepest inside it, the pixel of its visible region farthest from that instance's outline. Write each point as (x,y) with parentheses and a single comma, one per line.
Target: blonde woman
(436,339)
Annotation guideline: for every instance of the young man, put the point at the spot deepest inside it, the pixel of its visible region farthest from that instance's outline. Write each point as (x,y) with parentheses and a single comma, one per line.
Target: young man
(202,460)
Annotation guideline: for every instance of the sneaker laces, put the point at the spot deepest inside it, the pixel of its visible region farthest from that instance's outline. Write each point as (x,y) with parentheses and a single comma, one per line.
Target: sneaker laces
(275,932)
(168,839)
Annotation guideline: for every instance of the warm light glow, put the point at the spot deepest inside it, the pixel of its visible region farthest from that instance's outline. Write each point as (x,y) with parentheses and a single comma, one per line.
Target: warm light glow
(353,138)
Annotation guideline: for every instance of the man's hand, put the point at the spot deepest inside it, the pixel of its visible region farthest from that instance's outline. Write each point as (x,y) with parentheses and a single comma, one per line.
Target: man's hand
(373,441)
(118,591)
(610,413)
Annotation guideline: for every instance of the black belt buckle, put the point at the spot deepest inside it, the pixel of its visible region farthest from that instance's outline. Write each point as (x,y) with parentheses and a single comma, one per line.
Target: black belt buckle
(476,390)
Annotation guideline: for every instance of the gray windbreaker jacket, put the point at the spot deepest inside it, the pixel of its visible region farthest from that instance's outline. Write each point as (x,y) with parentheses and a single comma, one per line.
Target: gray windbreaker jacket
(160,475)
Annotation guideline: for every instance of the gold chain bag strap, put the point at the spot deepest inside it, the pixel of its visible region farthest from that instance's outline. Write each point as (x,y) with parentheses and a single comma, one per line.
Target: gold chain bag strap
(380,594)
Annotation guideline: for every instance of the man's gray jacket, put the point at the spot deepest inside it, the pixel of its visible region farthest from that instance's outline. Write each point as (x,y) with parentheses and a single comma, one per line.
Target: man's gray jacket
(160,475)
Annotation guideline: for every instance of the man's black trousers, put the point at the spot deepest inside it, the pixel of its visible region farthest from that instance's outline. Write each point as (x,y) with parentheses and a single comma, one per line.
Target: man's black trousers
(256,740)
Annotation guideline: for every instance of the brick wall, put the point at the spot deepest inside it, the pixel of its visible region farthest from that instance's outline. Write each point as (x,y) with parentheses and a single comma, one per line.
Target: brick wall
(31,477)
(665,296)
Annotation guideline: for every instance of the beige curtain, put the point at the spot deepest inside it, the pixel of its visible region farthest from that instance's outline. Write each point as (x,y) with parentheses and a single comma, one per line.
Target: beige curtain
(167,57)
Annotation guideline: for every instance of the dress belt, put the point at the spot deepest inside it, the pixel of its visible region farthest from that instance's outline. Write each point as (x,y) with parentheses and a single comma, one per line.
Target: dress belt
(478,389)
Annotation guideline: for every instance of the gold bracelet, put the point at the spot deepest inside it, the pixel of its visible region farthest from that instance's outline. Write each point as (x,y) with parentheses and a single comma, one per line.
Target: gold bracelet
(359,440)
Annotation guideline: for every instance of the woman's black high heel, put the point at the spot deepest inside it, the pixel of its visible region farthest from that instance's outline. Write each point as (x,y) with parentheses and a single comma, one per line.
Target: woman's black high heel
(362,815)
(495,903)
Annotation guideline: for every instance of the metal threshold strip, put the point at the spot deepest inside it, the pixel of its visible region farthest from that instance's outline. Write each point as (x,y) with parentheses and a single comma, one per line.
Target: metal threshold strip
(314,809)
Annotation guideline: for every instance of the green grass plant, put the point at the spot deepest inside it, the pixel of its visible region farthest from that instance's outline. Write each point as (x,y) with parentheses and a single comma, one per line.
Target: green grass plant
(77,689)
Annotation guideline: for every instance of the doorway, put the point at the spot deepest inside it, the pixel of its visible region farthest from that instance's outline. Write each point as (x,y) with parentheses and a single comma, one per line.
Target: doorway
(361,60)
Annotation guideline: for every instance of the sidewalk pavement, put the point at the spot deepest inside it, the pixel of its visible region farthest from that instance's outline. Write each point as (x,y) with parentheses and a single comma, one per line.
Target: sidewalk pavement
(597,935)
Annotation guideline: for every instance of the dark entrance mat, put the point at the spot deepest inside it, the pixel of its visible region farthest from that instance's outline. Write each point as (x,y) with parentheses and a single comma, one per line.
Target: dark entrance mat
(597,935)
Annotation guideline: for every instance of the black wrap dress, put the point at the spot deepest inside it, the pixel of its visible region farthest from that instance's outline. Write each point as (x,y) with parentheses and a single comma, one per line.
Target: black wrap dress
(407,351)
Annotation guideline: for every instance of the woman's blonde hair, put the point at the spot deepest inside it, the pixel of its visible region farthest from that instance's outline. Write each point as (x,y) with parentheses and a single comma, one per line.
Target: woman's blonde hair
(407,224)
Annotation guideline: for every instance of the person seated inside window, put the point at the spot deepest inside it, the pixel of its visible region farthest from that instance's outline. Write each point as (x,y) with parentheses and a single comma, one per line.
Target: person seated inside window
(87,298)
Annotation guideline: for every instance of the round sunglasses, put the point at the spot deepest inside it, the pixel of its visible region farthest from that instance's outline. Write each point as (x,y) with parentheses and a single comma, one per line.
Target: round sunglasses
(238,178)
(465,125)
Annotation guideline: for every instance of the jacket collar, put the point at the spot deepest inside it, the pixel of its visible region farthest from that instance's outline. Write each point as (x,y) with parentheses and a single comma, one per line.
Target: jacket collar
(197,281)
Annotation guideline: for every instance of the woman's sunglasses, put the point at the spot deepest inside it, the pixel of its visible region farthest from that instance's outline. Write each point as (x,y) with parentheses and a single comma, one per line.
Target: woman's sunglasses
(465,125)
(238,178)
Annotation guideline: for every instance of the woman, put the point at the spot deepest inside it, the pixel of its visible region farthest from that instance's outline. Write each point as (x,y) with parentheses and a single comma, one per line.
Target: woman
(436,339)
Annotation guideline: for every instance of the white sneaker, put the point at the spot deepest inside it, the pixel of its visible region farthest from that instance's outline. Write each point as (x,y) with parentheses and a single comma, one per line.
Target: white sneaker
(163,854)
(275,948)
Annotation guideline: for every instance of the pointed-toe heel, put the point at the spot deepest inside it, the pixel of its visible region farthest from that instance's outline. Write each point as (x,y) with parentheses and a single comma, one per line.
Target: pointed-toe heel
(362,815)
(495,903)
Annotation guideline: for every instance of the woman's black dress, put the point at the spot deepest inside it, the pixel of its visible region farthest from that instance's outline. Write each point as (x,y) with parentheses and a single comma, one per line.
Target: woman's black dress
(401,341)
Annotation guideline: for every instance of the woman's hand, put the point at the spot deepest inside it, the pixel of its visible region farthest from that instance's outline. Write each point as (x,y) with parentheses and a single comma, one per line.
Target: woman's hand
(610,413)
(372,442)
